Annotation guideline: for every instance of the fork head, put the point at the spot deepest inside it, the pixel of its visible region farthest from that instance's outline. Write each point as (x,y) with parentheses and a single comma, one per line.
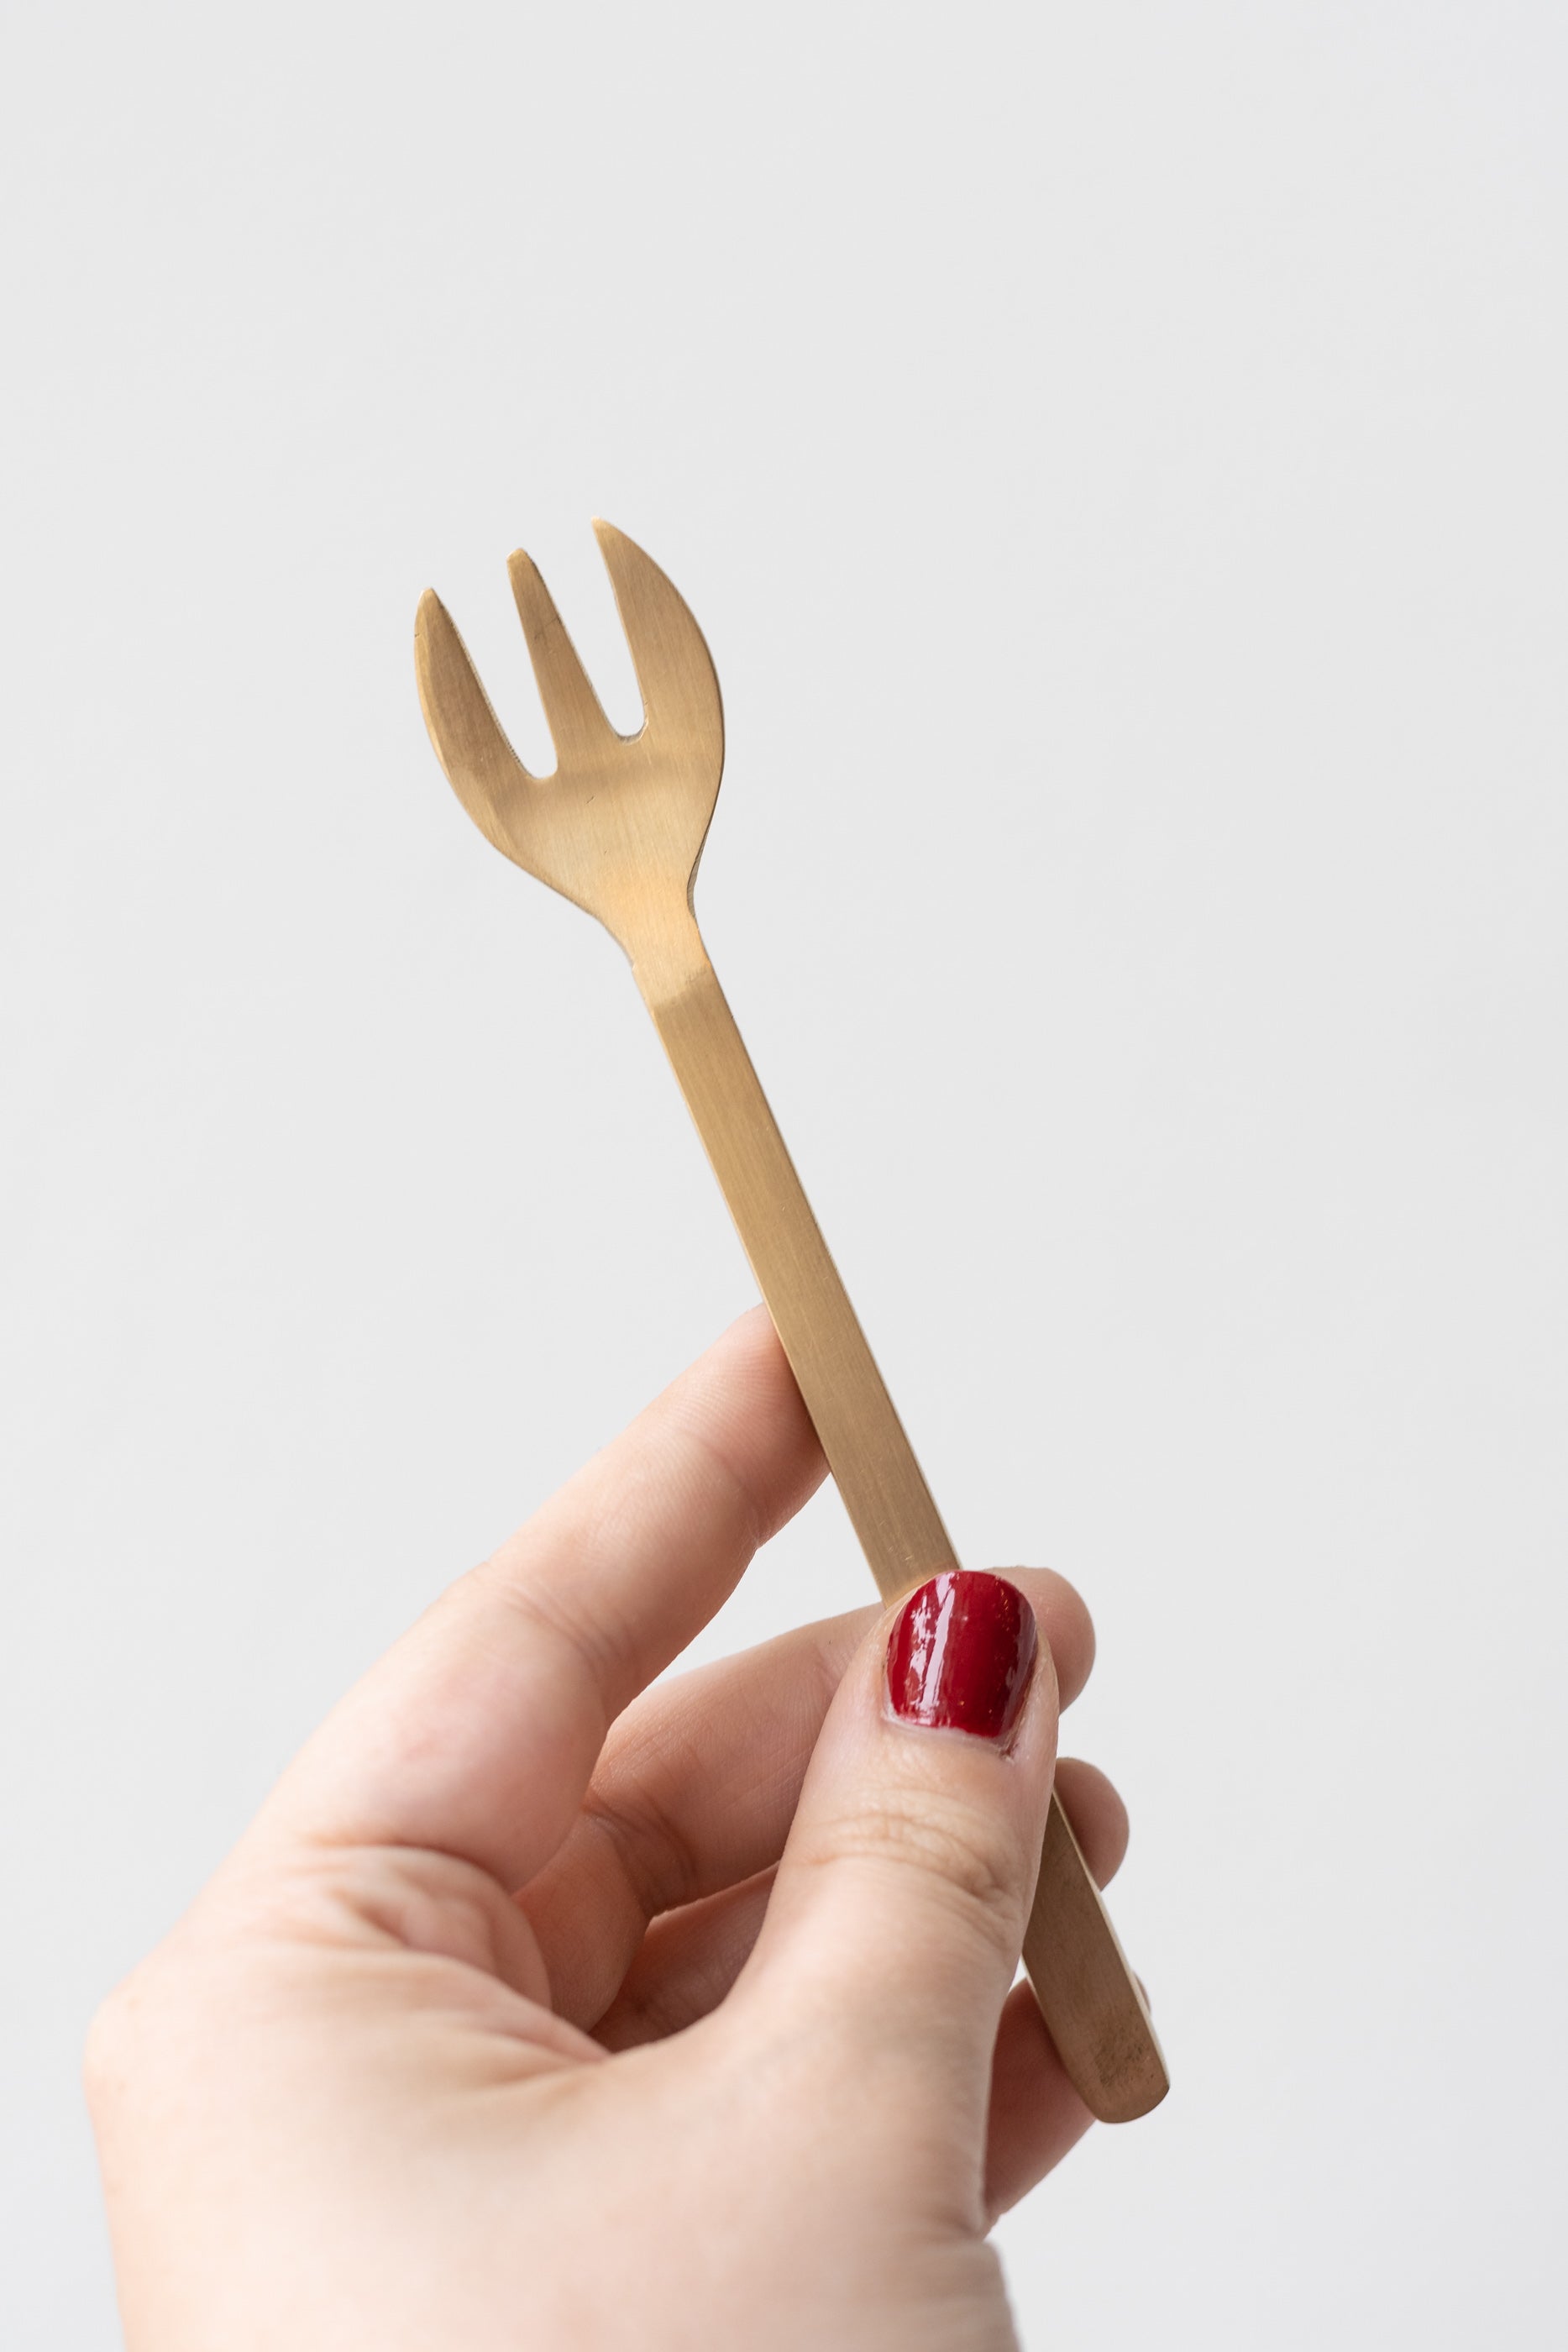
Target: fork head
(619,827)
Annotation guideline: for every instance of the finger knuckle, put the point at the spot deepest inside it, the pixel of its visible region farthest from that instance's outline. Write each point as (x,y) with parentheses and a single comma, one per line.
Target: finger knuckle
(954,1855)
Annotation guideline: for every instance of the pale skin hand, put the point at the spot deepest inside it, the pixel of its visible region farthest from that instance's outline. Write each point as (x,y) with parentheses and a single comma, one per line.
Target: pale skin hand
(541,2008)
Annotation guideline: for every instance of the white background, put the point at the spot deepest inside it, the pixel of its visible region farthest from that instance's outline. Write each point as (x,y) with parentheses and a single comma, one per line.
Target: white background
(1117,456)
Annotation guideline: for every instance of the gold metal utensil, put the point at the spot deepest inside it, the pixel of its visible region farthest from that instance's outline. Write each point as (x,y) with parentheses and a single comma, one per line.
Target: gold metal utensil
(619,828)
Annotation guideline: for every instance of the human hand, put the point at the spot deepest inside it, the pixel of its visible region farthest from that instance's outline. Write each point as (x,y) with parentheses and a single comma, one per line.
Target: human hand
(541,2008)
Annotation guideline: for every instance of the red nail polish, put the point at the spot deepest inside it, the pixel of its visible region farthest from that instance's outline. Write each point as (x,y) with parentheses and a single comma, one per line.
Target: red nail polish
(961,1652)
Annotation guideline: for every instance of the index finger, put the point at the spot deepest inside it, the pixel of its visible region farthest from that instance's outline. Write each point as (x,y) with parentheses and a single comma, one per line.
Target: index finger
(476,1733)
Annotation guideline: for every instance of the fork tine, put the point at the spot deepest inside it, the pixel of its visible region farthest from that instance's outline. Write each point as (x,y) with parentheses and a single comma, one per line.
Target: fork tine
(481,766)
(675,669)
(576,723)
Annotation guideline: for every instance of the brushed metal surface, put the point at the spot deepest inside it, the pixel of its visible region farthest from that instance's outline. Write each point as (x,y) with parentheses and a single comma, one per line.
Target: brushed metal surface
(619,829)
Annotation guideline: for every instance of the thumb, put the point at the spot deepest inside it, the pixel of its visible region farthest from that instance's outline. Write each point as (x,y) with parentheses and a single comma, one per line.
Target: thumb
(898,1913)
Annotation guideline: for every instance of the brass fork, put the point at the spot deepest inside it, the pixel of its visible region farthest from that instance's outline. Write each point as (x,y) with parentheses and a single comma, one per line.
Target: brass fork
(619,829)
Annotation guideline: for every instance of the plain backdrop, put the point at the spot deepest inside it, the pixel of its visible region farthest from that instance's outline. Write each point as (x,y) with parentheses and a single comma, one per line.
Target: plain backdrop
(1117,455)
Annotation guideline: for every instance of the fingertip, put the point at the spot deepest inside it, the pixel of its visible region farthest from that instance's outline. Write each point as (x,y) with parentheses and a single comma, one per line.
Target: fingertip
(903,1891)
(1036,2116)
(965,1652)
(741,1404)
(1099,1818)
(1066,1625)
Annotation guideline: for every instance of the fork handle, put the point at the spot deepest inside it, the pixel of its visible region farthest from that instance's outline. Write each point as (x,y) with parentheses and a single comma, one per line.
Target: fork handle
(1091,2000)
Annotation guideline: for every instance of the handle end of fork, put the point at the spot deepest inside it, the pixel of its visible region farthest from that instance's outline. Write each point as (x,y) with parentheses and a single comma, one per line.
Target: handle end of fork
(1092,2004)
